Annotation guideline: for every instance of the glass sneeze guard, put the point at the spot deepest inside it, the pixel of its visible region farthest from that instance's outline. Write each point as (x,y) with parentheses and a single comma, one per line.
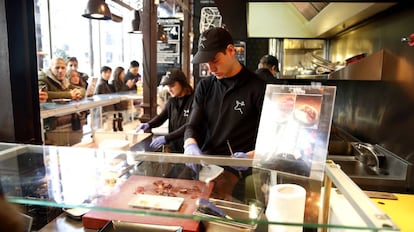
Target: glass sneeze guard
(71,177)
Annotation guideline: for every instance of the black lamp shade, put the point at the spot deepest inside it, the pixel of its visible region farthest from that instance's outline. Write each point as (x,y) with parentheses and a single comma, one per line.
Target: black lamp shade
(97,9)
(136,23)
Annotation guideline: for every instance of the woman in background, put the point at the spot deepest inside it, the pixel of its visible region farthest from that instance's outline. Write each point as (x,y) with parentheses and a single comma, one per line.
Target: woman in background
(74,78)
(118,80)
(177,112)
(119,86)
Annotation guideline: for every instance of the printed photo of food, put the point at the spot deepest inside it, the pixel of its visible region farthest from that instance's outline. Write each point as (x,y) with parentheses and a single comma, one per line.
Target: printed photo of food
(285,104)
(307,110)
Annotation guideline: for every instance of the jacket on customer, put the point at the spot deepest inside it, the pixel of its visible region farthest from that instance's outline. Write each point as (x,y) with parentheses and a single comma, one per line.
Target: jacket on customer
(227,110)
(103,87)
(55,88)
(177,111)
(58,89)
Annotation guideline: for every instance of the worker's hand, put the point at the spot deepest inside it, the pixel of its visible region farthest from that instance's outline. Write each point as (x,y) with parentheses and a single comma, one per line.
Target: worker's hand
(158,142)
(142,126)
(240,155)
(193,149)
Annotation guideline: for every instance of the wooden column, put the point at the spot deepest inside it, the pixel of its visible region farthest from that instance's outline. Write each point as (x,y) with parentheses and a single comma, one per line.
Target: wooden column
(20,114)
(149,37)
(186,39)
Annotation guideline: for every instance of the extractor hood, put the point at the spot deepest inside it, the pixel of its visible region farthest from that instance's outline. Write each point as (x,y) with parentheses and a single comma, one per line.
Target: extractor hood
(307,19)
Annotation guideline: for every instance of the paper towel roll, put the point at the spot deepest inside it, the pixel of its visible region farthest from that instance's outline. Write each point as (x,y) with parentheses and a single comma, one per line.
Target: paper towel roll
(286,204)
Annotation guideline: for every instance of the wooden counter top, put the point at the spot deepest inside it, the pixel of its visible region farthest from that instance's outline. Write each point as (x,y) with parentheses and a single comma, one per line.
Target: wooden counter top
(401,211)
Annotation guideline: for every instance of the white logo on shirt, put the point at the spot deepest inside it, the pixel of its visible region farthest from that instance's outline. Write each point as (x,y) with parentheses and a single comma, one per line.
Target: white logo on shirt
(186,113)
(239,105)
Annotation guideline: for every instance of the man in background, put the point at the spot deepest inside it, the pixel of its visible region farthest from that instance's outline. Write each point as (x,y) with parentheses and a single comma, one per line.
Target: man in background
(268,69)
(132,76)
(60,130)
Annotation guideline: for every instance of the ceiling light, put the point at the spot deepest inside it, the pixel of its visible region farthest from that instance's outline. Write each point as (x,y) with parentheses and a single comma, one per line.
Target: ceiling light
(97,9)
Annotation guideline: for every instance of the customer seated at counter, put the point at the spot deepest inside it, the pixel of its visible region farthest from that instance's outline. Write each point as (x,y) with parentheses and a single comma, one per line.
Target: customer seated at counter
(225,112)
(132,76)
(72,64)
(103,86)
(67,129)
(74,79)
(119,86)
(55,83)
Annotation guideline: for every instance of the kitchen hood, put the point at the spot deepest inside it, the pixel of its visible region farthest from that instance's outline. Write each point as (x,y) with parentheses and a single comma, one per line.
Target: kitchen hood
(307,19)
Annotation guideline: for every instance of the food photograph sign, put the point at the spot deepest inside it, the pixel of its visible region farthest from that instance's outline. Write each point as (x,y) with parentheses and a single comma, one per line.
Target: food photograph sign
(294,129)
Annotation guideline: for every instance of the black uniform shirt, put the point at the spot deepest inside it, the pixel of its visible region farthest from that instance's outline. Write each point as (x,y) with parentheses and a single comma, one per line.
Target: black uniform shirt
(227,109)
(177,110)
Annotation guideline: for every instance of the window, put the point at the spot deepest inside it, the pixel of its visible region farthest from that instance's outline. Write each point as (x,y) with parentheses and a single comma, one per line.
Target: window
(62,31)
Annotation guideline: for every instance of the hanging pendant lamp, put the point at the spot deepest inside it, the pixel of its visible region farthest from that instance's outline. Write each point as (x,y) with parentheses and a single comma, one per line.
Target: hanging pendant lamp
(97,9)
(136,23)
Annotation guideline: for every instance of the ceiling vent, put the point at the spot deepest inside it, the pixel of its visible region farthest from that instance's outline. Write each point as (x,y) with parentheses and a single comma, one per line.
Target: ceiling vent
(310,9)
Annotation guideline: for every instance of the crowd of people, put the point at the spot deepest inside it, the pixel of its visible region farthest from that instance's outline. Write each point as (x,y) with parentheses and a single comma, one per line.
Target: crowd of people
(62,81)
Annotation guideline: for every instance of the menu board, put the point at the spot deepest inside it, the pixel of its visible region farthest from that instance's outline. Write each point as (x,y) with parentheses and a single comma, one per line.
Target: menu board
(294,129)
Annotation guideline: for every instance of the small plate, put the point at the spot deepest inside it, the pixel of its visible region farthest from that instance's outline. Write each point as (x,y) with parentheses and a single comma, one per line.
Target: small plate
(61,100)
(156,202)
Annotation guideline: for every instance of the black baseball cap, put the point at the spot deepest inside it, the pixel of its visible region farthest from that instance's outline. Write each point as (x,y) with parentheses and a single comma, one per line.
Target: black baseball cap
(172,76)
(210,42)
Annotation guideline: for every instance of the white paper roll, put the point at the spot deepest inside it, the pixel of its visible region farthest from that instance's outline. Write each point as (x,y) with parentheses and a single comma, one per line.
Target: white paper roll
(286,204)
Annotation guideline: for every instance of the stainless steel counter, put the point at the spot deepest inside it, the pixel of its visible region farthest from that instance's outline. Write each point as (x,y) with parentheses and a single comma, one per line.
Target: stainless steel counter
(50,109)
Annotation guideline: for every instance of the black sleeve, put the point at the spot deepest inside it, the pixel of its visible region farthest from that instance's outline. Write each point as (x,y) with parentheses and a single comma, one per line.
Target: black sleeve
(197,114)
(161,118)
(176,134)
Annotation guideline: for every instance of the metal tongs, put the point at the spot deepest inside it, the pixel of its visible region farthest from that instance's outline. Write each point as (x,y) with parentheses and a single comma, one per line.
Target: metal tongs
(205,206)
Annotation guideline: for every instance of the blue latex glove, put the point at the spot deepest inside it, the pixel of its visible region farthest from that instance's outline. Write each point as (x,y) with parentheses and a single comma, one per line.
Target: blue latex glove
(193,149)
(158,142)
(240,155)
(143,126)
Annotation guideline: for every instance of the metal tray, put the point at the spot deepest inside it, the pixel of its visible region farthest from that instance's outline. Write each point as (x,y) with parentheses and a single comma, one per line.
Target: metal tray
(234,210)
(118,226)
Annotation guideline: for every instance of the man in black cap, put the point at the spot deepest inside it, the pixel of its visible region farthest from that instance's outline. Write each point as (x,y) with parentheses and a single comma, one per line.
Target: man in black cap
(268,69)
(226,109)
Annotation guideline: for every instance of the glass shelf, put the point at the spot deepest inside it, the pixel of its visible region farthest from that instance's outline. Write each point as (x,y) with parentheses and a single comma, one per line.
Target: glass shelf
(104,181)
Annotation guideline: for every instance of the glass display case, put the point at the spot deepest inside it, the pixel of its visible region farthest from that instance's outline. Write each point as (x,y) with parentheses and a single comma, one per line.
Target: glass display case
(142,188)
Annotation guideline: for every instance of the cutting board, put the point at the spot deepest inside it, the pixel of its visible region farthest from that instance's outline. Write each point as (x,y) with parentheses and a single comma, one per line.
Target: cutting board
(119,199)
